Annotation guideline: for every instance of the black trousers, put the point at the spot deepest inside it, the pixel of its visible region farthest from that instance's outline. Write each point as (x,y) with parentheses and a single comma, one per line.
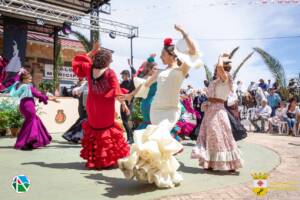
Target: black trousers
(125,118)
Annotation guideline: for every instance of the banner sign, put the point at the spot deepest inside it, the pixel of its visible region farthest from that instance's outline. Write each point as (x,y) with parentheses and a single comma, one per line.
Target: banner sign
(14,39)
(65,73)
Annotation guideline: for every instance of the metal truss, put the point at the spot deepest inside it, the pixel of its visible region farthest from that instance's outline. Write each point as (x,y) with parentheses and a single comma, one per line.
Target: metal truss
(57,15)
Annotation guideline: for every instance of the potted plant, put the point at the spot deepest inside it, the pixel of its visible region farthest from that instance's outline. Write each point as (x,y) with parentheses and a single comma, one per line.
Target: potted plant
(3,123)
(46,86)
(4,119)
(10,116)
(15,121)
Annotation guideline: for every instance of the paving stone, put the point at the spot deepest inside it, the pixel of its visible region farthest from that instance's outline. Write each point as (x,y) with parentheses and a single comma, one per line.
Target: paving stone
(287,171)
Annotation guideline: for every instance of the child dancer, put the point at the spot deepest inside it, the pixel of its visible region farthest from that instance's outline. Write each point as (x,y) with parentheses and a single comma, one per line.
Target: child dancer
(33,133)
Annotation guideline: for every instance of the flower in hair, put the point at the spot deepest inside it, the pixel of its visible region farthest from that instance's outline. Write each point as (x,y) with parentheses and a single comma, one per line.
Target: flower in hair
(23,71)
(168,42)
(151,60)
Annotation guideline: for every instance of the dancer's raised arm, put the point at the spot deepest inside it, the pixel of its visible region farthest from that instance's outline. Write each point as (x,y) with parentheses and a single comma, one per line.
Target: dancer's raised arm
(192,50)
(81,64)
(190,43)
(96,48)
(220,67)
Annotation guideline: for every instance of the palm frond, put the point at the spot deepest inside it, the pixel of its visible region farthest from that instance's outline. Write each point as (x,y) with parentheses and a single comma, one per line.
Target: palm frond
(84,40)
(233,52)
(240,65)
(274,66)
(208,73)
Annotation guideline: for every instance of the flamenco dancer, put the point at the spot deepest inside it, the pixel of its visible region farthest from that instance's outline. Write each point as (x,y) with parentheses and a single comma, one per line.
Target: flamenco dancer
(103,142)
(178,131)
(184,126)
(75,133)
(33,133)
(189,119)
(146,93)
(152,159)
(216,148)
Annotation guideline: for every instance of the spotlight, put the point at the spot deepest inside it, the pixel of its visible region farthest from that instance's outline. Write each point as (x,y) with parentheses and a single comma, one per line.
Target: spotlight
(40,21)
(66,29)
(112,34)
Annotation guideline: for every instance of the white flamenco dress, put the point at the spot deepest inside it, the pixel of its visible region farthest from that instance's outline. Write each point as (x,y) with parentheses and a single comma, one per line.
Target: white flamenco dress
(152,158)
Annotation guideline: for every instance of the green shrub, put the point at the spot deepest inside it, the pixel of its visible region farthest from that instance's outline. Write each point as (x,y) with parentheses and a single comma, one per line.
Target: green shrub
(4,120)
(136,112)
(10,116)
(46,86)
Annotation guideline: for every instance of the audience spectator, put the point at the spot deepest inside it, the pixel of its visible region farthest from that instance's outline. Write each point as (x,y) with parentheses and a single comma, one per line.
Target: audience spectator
(269,85)
(189,90)
(262,84)
(262,114)
(198,101)
(128,84)
(239,92)
(291,112)
(279,116)
(260,94)
(252,88)
(273,100)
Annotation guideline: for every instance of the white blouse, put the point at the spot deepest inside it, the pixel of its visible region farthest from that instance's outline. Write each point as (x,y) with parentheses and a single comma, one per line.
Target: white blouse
(222,90)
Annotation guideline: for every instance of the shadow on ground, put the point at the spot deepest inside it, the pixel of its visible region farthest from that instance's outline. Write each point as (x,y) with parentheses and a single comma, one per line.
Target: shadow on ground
(71,165)
(117,187)
(194,170)
(294,144)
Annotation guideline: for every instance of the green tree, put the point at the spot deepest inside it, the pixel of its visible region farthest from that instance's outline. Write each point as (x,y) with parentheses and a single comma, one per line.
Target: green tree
(209,74)
(276,70)
(57,65)
(236,71)
(86,43)
(84,40)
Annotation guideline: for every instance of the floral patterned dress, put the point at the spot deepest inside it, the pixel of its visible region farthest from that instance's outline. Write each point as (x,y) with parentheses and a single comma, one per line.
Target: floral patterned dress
(215,147)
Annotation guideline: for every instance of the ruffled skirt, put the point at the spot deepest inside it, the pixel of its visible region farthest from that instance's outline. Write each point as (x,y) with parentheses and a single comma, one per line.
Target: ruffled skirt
(186,128)
(75,133)
(102,148)
(152,159)
(33,133)
(216,147)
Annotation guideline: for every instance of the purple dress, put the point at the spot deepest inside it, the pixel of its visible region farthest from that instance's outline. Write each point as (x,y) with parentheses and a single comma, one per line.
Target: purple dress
(33,133)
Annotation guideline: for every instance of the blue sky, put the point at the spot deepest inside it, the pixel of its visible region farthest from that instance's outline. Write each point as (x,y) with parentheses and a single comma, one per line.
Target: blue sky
(210,19)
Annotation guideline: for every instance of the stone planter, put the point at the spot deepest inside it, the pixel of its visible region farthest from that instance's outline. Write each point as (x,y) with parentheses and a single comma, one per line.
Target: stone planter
(14,131)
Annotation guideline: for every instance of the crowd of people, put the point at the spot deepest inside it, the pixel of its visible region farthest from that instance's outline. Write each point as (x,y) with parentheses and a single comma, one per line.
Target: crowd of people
(270,109)
(170,114)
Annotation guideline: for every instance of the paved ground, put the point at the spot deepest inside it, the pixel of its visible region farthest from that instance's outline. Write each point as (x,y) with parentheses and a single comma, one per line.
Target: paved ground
(57,172)
(284,179)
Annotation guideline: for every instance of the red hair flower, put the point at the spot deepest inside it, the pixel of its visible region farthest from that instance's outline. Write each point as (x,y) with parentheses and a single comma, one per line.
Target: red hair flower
(168,42)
